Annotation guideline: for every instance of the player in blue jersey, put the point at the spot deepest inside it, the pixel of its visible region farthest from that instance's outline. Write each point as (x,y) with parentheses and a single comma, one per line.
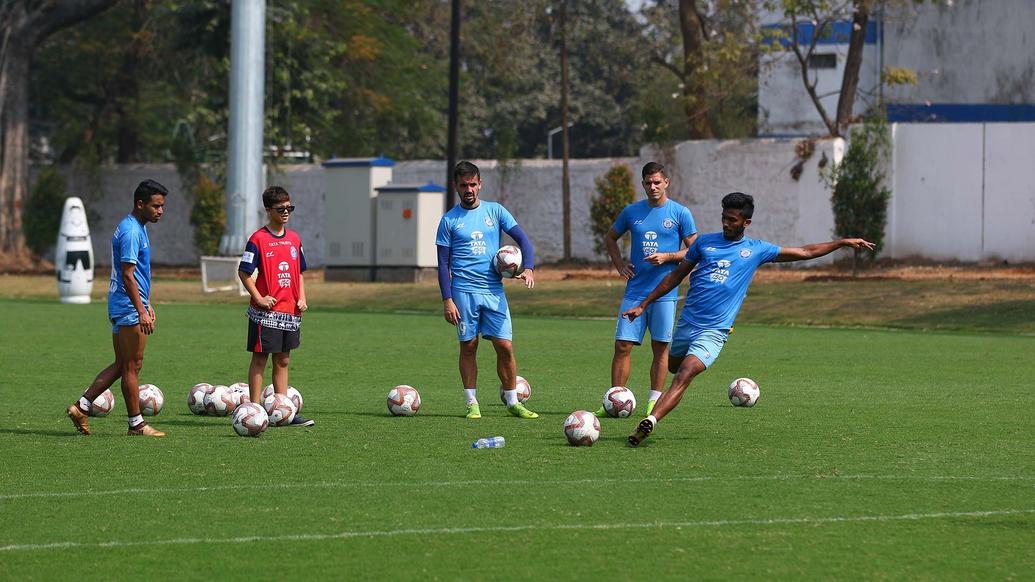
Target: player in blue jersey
(472,291)
(129,309)
(725,263)
(658,227)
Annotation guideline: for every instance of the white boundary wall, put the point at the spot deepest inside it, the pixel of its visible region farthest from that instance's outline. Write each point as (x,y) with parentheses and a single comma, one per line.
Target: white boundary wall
(961,192)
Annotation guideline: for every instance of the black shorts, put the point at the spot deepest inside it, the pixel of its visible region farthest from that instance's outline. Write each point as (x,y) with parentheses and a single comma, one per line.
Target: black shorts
(270,340)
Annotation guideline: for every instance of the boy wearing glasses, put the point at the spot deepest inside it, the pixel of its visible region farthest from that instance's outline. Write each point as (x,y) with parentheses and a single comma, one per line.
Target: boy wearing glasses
(277,295)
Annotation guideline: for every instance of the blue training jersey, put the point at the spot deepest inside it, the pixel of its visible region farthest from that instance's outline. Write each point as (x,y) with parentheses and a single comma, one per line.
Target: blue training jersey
(473,237)
(720,282)
(653,230)
(129,244)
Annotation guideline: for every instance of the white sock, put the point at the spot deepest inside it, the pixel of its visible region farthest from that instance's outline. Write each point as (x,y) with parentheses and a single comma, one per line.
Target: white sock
(652,419)
(84,405)
(510,396)
(135,421)
(654,395)
(469,393)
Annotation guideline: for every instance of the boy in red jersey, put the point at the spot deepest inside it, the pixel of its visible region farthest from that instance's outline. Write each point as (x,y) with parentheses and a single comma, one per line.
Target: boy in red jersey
(278,295)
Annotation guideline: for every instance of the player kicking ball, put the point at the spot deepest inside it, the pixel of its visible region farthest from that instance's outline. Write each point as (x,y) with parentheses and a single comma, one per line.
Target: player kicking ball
(725,263)
(472,291)
(278,295)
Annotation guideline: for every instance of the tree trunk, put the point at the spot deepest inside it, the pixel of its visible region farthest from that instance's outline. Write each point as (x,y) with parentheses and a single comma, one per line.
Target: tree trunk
(23,25)
(14,177)
(850,81)
(565,179)
(693,39)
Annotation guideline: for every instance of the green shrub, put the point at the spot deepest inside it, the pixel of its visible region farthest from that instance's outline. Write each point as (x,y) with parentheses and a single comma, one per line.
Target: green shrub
(860,198)
(615,191)
(207,215)
(42,217)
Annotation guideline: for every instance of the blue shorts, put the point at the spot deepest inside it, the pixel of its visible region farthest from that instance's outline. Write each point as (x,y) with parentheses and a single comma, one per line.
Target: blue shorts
(658,316)
(689,340)
(127,320)
(482,313)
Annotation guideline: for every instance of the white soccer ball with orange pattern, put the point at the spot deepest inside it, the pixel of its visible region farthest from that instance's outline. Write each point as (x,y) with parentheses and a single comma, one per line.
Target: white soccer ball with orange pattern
(509,262)
(619,402)
(151,399)
(581,428)
(241,393)
(403,400)
(250,420)
(524,391)
(220,401)
(280,409)
(292,393)
(196,397)
(103,404)
(744,392)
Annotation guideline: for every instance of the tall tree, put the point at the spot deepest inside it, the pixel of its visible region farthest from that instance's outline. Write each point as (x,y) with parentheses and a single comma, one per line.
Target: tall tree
(820,16)
(23,25)
(708,52)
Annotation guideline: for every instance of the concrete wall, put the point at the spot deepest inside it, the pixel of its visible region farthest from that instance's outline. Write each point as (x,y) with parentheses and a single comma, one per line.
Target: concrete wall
(967,51)
(787,211)
(963,192)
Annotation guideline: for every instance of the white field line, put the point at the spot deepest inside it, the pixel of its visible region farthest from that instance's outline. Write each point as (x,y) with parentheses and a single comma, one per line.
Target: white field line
(519,528)
(489,483)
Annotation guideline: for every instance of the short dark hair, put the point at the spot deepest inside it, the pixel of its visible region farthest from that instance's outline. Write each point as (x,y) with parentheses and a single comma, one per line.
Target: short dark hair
(148,188)
(466,168)
(740,202)
(653,168)
(274,194)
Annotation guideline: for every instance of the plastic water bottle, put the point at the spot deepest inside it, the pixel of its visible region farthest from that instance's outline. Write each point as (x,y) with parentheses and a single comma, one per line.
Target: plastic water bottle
(496,442)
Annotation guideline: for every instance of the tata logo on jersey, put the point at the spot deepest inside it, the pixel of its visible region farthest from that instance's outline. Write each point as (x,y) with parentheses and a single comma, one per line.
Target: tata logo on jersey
(478,244)
(650,243)
(284,266)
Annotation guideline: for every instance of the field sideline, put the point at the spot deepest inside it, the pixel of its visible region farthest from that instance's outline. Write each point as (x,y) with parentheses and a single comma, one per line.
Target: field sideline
(872,454)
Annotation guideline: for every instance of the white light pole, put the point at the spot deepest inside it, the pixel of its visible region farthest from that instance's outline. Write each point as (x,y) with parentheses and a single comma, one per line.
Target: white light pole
(244,169)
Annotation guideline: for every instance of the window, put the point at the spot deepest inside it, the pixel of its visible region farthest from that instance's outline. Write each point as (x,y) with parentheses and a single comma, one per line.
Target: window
(823,61)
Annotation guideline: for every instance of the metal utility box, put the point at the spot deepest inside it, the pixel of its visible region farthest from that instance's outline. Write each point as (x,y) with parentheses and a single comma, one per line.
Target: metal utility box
(350,215)
(407,222)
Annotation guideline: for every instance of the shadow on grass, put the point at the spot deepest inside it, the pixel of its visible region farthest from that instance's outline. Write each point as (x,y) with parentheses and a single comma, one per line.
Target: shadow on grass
(58,433)
(1015,316)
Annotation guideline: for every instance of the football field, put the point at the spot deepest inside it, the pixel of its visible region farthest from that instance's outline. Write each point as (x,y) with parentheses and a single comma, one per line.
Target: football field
(871,454)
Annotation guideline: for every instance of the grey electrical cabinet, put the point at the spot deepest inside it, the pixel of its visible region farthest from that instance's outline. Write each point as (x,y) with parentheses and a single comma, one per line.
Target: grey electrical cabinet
(350,215)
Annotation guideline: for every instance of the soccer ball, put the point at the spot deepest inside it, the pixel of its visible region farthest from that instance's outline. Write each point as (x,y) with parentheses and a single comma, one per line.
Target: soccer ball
(403,400)
(581,428)
(744,392)
(196,397)
(280,409)
(220,401)
(508,261)
(250,420)
(151,400)
(524,391)
(619,402)
(292,393)
(103,404)
(241,393)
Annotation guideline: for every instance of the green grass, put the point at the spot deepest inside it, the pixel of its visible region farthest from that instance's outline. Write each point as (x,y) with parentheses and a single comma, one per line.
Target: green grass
(871,454)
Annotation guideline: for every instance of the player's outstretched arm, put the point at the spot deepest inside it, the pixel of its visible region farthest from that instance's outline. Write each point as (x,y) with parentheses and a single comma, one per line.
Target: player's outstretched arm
(814,251)
(670,282)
